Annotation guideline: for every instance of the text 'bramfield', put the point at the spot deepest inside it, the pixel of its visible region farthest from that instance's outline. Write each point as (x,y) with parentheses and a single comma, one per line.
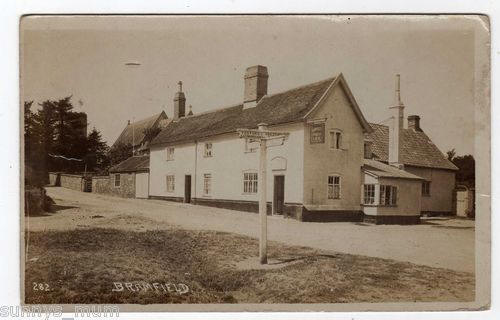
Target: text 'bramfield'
(179,288)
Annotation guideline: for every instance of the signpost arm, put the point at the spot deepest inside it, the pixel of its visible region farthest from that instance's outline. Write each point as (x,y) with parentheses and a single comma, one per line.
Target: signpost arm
(263,202)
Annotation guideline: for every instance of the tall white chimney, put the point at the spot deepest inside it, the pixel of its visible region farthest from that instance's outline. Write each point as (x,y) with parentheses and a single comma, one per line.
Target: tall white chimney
(396,126)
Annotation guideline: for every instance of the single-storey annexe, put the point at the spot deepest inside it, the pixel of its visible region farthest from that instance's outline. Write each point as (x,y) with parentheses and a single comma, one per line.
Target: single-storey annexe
(390,195)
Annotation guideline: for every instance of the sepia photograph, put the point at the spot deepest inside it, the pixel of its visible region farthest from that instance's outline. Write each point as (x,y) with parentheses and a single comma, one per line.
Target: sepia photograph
(255,162)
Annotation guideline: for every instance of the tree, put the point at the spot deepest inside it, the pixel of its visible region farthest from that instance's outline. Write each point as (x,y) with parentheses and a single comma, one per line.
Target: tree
(69,135)
(451,154)
(53,132)
(43,133)
(120,152)
(63,132)
(30,143)
(28,120)
(97,152)
(33,157)
(466,164)
(466,170)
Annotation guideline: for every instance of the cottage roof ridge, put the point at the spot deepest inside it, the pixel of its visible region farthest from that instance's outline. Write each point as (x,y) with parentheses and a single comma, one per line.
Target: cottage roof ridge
(383,170)
(208,112)
(264,97)
(143,123)
(288,106)
(417,148)
(132,164)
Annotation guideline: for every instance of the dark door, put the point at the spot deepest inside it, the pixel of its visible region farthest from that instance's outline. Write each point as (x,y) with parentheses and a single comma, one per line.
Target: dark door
(279,194)
(187,189)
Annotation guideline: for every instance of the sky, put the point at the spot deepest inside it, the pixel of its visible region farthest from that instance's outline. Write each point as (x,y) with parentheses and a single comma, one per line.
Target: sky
(85,57)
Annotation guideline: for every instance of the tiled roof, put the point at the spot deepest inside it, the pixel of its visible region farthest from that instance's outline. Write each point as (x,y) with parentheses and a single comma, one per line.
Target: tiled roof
(134,132)
(285,107)
(132,164)
(383,170)
(416,148)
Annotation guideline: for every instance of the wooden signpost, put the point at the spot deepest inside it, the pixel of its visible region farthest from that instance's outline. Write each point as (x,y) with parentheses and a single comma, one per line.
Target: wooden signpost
(263,136)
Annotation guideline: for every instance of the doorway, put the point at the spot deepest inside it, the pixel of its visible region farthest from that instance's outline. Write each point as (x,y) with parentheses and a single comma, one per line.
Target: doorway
(279,195)
(142,185)
(187,189)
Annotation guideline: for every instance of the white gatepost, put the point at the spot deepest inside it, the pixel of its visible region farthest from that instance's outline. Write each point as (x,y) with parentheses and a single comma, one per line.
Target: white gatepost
(262,135)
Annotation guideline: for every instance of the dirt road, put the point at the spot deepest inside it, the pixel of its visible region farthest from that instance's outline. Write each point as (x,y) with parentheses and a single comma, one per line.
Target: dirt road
(437,242)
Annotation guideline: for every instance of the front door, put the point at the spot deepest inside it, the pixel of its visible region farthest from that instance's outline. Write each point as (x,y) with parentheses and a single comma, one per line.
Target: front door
(279,194)
(187,189)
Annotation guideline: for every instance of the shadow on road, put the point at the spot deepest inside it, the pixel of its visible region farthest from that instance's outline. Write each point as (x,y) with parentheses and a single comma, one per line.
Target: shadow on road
(294,259)
(55,208)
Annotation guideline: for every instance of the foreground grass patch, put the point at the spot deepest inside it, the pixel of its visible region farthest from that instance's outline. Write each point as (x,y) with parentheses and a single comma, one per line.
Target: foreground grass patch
(84,266)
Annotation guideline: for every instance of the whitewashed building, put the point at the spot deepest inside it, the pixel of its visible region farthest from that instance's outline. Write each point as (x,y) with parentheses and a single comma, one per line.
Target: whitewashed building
(314,176)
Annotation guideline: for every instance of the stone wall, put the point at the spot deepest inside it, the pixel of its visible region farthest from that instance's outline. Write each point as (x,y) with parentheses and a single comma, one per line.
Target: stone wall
(72,181)
(101,184)
(106,185)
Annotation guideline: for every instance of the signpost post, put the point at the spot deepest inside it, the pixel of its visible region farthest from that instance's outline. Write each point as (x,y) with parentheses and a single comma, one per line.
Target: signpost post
(262,136)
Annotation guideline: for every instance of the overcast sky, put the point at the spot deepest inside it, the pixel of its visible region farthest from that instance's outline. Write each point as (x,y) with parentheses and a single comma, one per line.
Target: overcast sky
(85,57)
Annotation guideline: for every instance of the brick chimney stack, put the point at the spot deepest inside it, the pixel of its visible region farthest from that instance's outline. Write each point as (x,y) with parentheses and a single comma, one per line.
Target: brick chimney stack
(396,126)
(414,122)
(179,103)
(255,85)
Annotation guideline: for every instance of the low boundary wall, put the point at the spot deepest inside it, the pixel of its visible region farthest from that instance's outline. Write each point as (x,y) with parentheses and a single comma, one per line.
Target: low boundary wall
(72,181)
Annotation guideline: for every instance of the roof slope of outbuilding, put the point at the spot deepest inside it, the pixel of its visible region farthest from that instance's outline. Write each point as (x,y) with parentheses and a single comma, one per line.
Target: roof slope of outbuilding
(416,148)
(286,107)
(383,170)
(133,133)
(132,164)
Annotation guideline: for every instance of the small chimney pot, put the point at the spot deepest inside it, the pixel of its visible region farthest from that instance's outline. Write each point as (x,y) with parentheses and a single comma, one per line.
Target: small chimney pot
(414,122)
(179,103)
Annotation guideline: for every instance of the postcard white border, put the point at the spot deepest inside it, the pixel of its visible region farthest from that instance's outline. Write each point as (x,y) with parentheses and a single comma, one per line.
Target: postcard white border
(9,122)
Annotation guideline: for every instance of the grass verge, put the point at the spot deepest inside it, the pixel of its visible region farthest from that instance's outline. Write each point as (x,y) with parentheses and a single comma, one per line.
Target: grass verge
(82,266)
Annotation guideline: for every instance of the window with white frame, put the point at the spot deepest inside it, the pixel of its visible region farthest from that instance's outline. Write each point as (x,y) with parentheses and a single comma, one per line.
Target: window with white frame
(369,194)
(207,184)
(335,139)
(208,150)
(250,182)
(170,153)
(388,195)
(334,187)
(426,188)
(117,180)
(170,183)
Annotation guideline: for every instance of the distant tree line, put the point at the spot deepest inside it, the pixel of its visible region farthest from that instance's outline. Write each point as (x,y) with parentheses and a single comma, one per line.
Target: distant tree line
(55,140)
(466,168)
